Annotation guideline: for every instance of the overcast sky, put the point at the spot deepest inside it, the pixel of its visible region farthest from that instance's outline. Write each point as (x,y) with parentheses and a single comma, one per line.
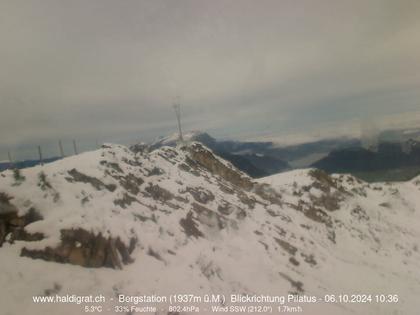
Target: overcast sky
(109,70)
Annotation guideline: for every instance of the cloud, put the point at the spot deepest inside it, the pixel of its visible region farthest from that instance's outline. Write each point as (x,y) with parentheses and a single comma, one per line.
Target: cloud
(110,69)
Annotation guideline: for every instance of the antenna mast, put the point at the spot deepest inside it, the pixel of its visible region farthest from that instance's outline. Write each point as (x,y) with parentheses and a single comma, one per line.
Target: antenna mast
(177,108)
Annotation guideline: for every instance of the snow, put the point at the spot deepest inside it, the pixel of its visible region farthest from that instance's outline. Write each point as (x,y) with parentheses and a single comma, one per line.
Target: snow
(375,249)
(279,181)
(172,139)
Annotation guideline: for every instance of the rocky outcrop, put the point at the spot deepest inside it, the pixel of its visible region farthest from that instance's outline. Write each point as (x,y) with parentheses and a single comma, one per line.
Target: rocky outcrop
(8,213)
(77,176)
(83,248)
(206,159)
(159,193)
(331,192)
(190,226)
(268,193)
(12,226)
(201,194)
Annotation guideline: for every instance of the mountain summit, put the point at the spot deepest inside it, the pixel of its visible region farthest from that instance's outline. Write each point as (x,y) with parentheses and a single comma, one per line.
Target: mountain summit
(195,135)
(246,156)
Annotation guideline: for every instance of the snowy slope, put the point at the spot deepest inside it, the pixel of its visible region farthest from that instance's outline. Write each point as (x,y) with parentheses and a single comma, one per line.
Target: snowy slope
(172,139)
(191,223)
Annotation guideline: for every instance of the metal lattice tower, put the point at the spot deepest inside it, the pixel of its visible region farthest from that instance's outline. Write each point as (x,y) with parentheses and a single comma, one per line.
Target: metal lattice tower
(177,108)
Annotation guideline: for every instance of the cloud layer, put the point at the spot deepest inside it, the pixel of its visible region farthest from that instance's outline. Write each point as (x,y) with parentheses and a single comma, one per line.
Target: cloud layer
(109,70)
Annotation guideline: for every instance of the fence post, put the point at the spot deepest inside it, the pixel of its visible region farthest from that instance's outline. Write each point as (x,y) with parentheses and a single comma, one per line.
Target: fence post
(10,159)
(40,155)
(75,147)
(61,148)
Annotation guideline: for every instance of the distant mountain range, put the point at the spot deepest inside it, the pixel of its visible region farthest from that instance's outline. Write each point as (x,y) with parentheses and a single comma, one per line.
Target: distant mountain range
(390,161)
(259,159)
(247,156)
(4,165)
(395,157)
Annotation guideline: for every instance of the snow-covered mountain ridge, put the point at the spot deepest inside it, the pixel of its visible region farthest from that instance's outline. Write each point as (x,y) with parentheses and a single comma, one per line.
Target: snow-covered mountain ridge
(183,220)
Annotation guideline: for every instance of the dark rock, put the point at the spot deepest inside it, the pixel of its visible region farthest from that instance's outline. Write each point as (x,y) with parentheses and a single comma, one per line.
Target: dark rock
(140,148)
(268,193)
(201,194)
(156,171)
(209,217)
(310,259)
(286,246)
(154,254)
(244,198)
(54,290)
(80,247)
(77,176)
(159,193)
(190,226)
(360,214)
(294,261)
(204,158)
(296,285)
(226,208)
(125,201)
(131,183)
(11,223)
(112,165)
(43,183)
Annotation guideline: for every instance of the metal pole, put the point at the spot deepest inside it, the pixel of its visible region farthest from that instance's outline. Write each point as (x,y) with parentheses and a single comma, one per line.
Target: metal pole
(75,147)
(60,145)
(40,155)
(10,159)
(177,108)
